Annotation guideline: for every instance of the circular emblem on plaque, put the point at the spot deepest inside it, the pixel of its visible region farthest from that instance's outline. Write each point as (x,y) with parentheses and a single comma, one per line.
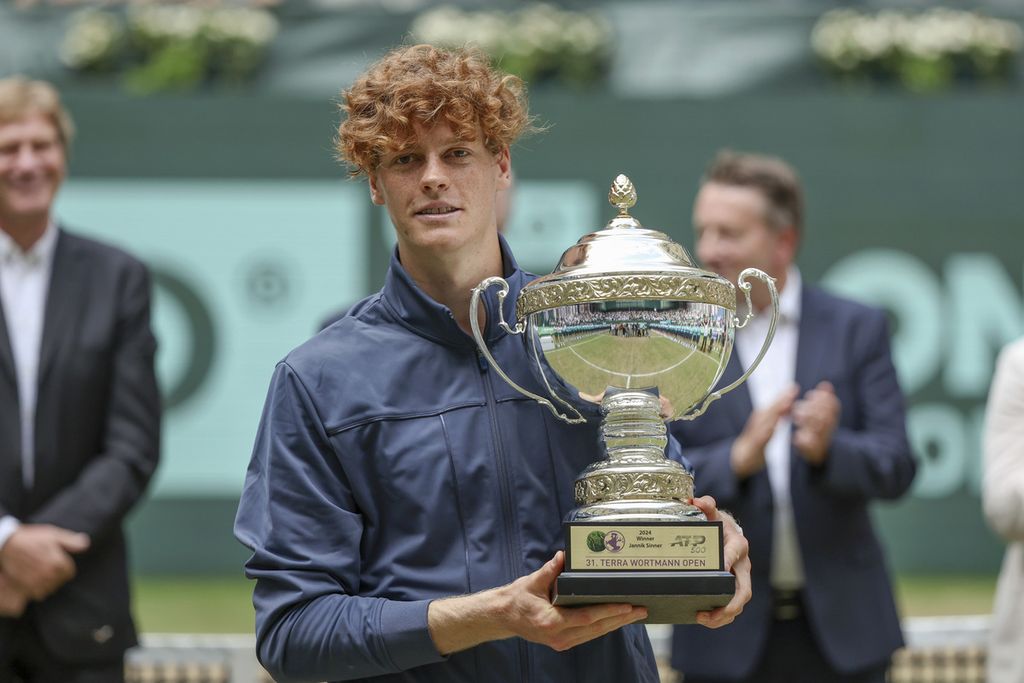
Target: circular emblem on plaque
(614,541)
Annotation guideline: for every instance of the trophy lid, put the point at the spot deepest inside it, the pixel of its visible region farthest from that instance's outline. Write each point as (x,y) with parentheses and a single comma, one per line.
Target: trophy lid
(624,261)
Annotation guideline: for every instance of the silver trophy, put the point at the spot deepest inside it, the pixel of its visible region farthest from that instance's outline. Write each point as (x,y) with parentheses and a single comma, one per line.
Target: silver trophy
(628,324)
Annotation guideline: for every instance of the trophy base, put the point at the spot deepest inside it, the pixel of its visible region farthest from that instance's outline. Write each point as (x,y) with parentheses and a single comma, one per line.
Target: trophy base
(670,597)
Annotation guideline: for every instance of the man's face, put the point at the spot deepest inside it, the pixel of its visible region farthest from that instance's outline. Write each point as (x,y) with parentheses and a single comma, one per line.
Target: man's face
(440,190)
(733,234)
(32,167)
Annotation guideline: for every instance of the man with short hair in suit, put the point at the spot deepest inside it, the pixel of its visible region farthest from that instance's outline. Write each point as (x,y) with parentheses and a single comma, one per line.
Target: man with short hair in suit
(79,413)
(797,453)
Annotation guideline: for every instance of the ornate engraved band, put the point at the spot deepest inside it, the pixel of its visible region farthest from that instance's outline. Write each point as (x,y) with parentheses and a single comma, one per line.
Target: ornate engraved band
(597,487)
(622,288)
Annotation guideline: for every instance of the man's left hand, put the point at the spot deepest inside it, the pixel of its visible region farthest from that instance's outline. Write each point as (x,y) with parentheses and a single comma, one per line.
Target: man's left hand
(38,557)
(737,560)
(815,417)
(12,599)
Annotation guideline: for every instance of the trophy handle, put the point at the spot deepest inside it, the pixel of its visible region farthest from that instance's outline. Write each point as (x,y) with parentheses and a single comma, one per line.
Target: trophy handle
(740,324)
(474,323)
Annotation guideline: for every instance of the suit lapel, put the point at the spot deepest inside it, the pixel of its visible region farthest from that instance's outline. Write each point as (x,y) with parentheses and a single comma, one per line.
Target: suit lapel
(737,402)
(811,345)
(10,427)
(11,490)
(63,302)
(6,355)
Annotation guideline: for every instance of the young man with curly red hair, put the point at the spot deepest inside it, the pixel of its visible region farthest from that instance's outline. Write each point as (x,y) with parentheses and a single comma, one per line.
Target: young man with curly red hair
(403,503)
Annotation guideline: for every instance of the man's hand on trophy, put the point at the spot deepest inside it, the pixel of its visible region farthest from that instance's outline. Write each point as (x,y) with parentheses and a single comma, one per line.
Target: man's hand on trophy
(747,456)
(666,409)
(523,608)
(815,417)
(528,611)
(737,560)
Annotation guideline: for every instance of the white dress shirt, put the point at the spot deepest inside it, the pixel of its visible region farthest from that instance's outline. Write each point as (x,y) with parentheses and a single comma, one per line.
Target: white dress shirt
(776,372)
(24,283)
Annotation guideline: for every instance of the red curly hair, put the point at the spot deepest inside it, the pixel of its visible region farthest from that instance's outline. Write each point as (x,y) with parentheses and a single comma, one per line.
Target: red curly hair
(428,85)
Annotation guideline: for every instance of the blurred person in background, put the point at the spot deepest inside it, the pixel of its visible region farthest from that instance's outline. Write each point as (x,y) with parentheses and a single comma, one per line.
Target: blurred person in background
(797,453)
(79,413)
(404,503)
(1003,498)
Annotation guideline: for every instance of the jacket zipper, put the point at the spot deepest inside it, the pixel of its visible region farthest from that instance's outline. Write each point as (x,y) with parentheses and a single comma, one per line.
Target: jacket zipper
(506,495)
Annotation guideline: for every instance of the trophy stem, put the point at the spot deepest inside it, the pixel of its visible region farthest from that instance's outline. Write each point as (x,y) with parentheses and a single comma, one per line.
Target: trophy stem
(632,427)
(636,482)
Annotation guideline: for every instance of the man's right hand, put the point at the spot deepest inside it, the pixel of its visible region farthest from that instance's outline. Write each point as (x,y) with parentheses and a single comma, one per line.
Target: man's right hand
(37,558)
(531,615)
(523,608)
(13,600)
(747,456)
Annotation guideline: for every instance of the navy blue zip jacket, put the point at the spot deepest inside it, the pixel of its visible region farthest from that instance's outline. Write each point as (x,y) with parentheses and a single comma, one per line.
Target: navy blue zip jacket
(393,467)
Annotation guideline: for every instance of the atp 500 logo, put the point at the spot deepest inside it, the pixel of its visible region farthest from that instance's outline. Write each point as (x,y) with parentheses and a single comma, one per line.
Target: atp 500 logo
(697,543)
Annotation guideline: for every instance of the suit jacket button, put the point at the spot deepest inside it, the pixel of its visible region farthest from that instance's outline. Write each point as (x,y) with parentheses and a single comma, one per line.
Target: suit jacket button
(103,633)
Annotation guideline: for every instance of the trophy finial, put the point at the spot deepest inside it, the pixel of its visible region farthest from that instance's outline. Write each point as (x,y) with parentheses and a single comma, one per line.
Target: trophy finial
(622,195)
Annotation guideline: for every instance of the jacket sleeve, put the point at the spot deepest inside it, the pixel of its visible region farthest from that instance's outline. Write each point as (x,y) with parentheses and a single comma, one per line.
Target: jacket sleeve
(673,451)
(871,457)
(298,516)
(712,471)
(115,479)
(1003,483)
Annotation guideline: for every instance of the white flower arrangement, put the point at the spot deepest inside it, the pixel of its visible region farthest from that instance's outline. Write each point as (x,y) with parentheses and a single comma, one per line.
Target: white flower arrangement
(92,41)
(536,43)
(170,47)
(924,51)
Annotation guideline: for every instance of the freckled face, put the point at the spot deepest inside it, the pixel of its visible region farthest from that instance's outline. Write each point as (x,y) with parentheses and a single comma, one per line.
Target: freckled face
(440,191)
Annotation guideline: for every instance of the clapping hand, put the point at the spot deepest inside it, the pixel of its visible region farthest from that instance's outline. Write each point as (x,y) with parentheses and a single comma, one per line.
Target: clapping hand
(815,418)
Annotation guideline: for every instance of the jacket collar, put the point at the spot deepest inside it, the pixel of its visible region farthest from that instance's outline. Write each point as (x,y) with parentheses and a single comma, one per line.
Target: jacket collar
(791,297)
(427,318)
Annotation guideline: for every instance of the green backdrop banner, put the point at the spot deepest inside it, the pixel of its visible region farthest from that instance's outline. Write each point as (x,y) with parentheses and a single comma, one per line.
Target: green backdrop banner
(237,203)
(242,270)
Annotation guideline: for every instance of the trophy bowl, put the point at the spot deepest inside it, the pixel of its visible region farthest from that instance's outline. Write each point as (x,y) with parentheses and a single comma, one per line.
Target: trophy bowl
(626,323)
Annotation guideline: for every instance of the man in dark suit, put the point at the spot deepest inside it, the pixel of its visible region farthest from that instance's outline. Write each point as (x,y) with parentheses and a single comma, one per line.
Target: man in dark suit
(79,414)
(797,453)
